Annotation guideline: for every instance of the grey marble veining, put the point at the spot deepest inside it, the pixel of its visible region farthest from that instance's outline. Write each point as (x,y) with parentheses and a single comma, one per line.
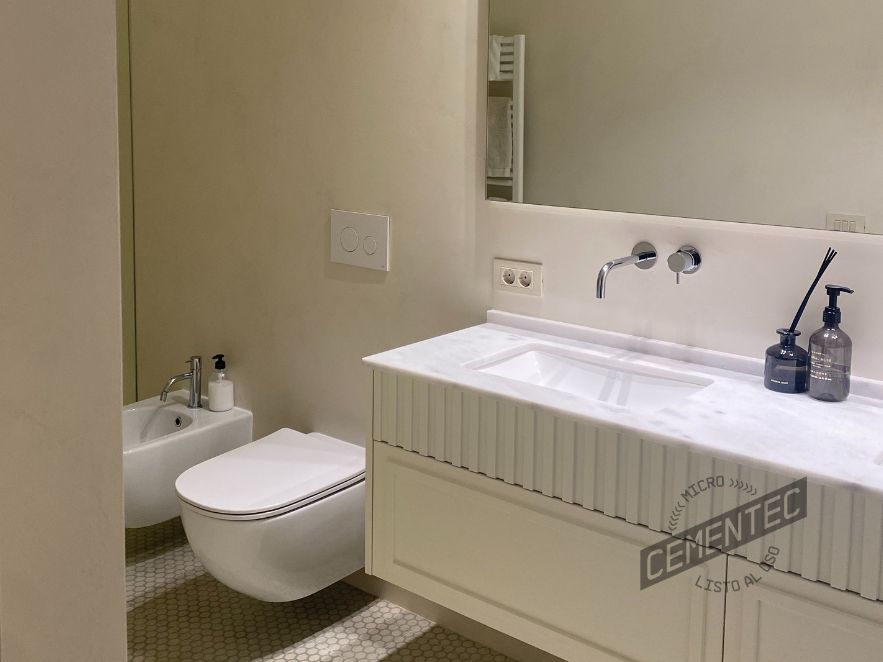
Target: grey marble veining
(638,467)
(735,418)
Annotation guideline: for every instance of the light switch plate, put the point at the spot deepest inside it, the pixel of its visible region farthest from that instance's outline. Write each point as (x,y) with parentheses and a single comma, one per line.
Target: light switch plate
(360,240)
(845,222)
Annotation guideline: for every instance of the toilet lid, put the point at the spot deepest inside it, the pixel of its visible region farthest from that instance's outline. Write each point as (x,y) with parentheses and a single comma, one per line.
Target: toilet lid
(271,474)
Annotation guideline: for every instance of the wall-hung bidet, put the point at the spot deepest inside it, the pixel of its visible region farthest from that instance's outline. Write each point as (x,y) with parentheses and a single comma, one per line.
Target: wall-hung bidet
(643,256)
(162,439)
(280,518)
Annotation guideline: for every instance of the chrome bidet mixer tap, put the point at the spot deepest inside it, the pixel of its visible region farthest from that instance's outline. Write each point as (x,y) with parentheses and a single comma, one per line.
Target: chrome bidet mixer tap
(195,377)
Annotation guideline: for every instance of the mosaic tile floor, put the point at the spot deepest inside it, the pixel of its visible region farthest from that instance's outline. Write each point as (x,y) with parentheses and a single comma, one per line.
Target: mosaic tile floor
(178,613)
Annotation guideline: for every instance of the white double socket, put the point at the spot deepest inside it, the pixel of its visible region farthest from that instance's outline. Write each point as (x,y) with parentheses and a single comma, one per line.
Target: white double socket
(360,240)
(518,277)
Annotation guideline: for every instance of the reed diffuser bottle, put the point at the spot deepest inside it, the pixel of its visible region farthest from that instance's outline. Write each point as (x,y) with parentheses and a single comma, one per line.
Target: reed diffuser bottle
(787,364)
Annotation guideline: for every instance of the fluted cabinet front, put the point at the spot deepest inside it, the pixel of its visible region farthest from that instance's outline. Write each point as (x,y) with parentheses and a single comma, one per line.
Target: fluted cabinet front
(641,481)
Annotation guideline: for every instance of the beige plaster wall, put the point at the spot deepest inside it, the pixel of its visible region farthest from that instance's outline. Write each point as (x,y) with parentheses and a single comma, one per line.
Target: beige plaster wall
(253,120)
(127,227)
(250,125)
(61,521)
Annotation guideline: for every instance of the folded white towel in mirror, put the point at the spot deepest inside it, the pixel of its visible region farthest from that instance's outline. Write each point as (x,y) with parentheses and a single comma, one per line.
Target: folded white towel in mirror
(499,137)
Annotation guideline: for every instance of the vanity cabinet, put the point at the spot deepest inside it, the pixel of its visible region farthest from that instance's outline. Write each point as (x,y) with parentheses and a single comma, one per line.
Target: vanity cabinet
(526,507)
(565,579)
(558,576)
(788,619)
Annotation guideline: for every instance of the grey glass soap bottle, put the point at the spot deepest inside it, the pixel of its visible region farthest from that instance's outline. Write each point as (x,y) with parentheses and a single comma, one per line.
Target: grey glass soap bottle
(830,353)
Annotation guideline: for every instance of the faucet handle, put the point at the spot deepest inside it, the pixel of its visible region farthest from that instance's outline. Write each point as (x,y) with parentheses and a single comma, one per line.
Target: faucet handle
(194,361)
(686,260)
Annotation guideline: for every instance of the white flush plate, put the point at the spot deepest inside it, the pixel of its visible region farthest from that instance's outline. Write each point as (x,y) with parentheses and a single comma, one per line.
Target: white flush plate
(361,240)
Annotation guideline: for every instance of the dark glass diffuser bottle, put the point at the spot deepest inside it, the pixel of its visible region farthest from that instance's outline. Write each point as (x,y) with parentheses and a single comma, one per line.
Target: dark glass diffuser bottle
(786,364)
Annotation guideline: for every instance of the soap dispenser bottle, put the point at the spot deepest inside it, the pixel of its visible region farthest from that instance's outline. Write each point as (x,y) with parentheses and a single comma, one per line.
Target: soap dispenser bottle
(830,353)
(220,389)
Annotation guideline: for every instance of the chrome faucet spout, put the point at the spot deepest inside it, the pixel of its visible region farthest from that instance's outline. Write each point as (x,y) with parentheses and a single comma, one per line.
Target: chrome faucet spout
(174,380)
(195,377)
(601,285)
(643,256)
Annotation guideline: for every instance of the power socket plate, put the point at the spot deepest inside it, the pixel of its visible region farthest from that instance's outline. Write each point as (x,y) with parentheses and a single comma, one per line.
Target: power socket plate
(518,277)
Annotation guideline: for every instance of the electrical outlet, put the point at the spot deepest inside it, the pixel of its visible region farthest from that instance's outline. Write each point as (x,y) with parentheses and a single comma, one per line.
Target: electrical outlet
(518,277)
(845,223)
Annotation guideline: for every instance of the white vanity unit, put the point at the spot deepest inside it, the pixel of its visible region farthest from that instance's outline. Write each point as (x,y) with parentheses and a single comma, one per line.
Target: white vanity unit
(519,467)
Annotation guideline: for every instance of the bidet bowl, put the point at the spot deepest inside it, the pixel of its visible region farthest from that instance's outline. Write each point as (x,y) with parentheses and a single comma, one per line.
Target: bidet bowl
(163,439)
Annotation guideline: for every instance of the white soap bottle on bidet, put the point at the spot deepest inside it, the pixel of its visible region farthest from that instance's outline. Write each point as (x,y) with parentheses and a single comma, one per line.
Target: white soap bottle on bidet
(220,389)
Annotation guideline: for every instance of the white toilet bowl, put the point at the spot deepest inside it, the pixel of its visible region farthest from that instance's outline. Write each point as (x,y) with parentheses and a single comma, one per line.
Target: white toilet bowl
(280,518)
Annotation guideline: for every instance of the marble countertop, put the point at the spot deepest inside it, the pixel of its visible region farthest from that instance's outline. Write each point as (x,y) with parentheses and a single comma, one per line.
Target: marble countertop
(734,418)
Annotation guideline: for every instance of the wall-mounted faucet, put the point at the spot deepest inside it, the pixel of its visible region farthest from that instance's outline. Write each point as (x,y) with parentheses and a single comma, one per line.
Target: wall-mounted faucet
(685,260)
(643,256)
(195,377)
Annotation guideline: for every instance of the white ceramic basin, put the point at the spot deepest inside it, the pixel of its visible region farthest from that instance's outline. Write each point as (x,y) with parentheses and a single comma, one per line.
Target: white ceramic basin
(161,440)
(614,381)
(146,423)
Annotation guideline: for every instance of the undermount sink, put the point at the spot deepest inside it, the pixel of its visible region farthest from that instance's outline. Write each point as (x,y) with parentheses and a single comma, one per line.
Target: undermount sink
(613,381)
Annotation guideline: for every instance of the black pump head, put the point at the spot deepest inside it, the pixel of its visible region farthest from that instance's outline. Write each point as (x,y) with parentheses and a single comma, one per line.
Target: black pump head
(219,362)
(832,312)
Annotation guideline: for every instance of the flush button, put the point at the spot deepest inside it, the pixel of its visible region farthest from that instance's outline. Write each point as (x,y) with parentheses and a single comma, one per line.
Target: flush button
(360,240)
(349,239)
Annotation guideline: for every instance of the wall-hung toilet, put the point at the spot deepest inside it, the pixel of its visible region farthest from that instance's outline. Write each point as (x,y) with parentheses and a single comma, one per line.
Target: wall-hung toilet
(279,518)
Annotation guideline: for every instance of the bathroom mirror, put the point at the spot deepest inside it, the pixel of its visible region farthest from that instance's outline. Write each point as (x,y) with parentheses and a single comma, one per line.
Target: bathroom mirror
(763,112)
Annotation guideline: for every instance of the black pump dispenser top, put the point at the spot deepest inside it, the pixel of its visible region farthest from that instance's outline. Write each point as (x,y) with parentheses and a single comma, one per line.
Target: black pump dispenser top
(219,362)
(832,311)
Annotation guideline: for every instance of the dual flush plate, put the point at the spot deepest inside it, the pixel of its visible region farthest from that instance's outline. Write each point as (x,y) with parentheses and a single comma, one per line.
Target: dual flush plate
(360,240)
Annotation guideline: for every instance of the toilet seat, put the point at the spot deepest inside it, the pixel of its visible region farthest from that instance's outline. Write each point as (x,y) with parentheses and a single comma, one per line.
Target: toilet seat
(277,474)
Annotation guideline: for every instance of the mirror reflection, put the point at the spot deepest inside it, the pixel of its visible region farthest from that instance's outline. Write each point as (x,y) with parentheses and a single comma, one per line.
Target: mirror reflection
(762,112)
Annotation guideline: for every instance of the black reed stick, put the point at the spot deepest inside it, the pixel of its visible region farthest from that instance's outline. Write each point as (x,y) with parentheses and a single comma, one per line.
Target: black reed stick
(829,257)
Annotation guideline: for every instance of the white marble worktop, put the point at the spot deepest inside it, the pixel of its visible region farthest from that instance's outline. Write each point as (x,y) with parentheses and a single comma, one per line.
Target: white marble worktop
(734,418)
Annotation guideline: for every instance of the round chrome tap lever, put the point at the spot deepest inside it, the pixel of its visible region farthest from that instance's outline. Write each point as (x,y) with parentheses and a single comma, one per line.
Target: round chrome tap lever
(686,260)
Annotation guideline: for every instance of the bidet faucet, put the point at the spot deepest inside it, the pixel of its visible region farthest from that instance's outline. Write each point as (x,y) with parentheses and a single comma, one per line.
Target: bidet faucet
(195,377)
(643,256)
